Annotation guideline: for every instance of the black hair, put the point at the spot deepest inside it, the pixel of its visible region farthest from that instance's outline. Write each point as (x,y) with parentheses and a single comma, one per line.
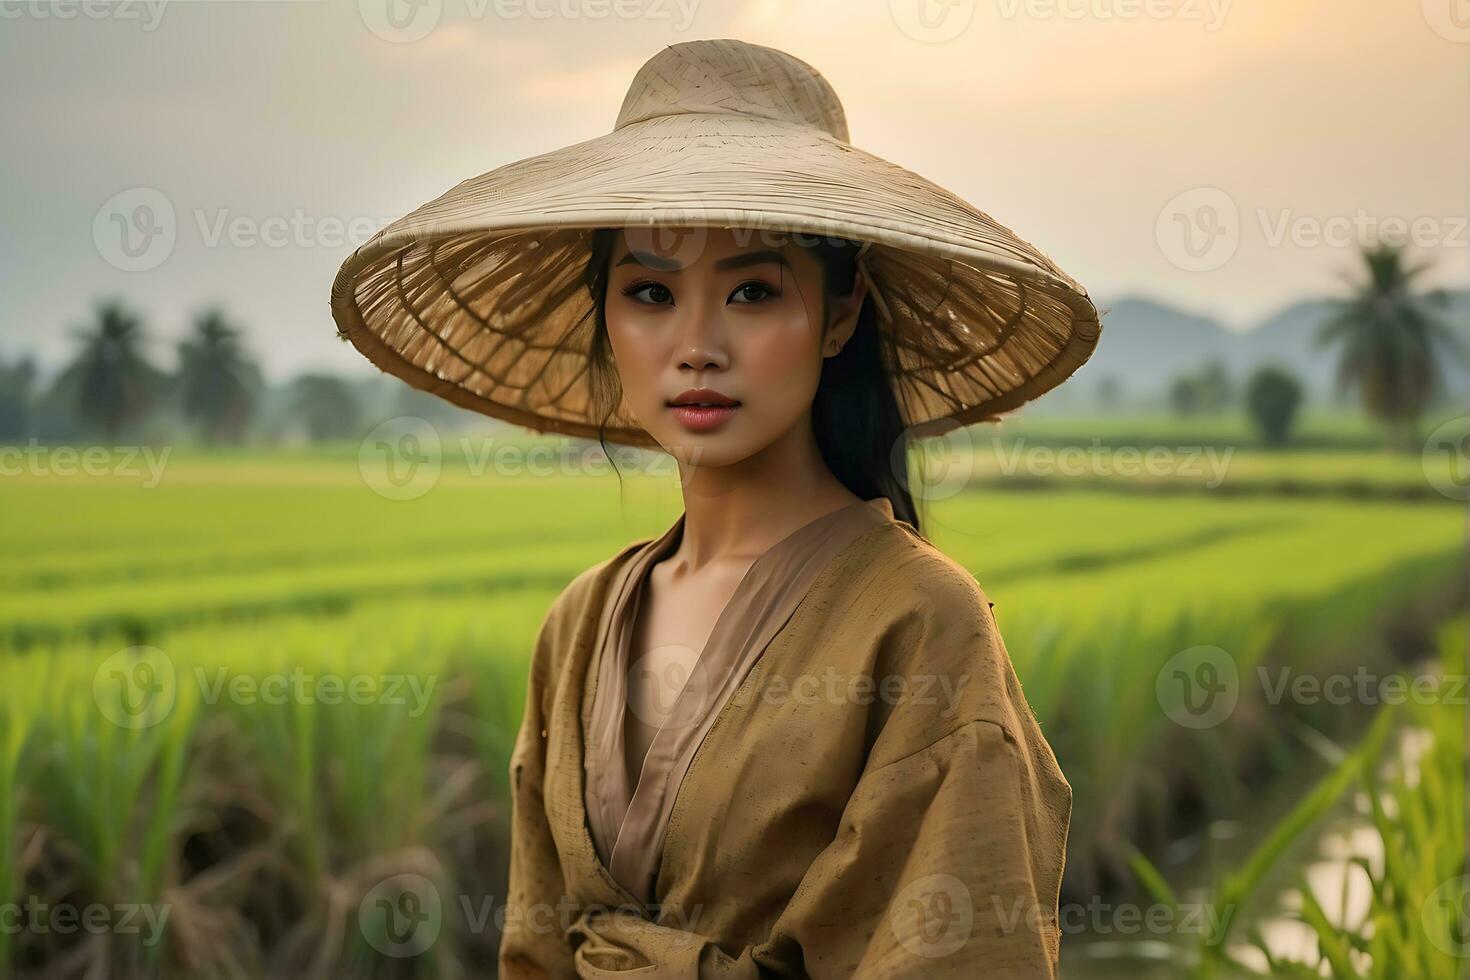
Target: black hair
(855,414)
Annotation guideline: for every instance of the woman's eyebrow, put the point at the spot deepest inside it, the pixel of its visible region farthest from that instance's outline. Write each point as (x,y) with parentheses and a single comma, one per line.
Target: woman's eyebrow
(664,264)
(649,259)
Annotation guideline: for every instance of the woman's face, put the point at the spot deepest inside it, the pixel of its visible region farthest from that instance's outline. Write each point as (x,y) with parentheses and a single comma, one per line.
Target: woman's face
(734,311)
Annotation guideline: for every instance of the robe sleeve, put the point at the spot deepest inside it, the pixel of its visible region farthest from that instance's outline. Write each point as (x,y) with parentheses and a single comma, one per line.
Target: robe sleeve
(948,857)
(947,864)
(533,944)
(943,868)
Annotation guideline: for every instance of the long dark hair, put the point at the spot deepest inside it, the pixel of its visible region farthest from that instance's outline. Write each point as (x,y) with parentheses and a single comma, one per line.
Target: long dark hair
(855,415)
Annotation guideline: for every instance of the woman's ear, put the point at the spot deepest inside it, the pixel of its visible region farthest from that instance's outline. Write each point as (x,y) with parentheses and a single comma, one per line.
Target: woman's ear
(844,318)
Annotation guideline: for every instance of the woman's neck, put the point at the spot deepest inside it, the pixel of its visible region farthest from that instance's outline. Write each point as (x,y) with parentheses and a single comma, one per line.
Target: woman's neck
(738,512)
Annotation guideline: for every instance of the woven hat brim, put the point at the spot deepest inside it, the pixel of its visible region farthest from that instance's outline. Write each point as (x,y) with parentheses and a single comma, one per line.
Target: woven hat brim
(478,296)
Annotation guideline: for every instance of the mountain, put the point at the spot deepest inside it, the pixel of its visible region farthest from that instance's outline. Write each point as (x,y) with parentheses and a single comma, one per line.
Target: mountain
(1146,344)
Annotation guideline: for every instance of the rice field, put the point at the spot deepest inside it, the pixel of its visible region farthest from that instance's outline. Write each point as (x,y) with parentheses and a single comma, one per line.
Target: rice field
(250,697)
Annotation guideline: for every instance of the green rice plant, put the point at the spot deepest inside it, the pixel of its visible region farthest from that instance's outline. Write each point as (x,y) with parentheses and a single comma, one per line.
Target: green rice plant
(1092,680)
(1362,474)
(1416,925)
(1416,922)
(97,558)
(1211,956)
(105,776)
(142,610)
(15,721)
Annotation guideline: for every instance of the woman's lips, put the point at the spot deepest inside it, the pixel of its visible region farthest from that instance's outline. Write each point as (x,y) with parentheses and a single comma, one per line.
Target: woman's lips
(702,419)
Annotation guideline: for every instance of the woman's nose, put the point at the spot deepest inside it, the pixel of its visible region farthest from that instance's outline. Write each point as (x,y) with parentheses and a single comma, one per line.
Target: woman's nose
(701,358)
(701,341)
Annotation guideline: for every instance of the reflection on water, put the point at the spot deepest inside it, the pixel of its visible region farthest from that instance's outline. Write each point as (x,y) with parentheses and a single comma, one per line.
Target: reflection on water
(1341,887)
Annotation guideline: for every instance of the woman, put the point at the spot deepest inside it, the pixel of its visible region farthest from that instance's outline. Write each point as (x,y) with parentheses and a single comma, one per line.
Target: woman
(783,738)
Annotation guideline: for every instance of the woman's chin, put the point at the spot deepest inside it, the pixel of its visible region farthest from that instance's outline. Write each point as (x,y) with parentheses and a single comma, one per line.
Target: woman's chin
(704,448)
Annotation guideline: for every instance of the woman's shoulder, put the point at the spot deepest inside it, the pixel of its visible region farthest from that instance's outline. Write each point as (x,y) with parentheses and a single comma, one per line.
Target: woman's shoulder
(591,581)
(559,625)
(909,572)
(919,616)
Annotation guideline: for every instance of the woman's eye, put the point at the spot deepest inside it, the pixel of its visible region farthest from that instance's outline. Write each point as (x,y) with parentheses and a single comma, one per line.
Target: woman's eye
(658,293)
(751,292)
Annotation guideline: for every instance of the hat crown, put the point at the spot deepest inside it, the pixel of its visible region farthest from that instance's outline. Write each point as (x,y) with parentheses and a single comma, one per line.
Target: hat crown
(731,77)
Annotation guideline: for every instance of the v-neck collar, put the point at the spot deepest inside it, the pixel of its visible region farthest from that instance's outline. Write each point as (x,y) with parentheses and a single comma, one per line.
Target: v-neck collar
(626,822)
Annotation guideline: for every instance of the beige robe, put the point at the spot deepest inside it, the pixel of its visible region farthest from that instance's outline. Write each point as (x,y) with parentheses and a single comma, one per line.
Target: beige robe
(856,786)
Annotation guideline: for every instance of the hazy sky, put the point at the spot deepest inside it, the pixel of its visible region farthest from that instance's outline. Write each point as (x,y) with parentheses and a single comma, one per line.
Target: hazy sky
(281,132)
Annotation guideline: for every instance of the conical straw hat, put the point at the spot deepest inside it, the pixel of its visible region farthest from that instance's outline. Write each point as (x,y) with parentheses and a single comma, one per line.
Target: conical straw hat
(478,296)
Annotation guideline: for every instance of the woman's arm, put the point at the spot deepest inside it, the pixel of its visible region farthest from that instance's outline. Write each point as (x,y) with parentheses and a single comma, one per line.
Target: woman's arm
(945,865)
(948,859)
(533,943)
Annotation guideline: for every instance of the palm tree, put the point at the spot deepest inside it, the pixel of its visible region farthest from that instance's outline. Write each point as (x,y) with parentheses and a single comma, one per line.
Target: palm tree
(112,383)
(214,378)
(1390,338)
